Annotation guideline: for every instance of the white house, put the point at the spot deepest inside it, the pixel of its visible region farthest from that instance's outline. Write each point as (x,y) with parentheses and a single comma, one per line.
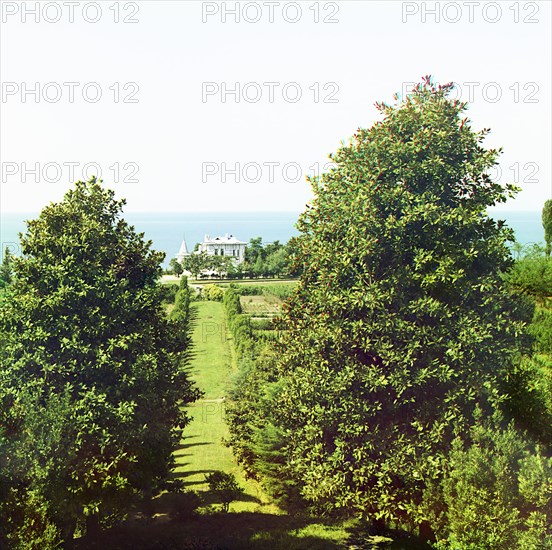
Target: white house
(217,246)
(224,246)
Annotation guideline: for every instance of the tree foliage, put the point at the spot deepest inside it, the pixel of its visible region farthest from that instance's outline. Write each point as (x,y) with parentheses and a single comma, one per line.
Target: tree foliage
(176,267)
(195,263)
(547,225)
(270,260)
(497,491)
(529,385)
(202,262)
(401,324)
(531,274)
(6,268)
(92,379)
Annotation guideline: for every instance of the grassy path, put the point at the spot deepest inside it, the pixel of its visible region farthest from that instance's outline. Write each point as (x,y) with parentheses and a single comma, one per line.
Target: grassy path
(253,522)
(202,450)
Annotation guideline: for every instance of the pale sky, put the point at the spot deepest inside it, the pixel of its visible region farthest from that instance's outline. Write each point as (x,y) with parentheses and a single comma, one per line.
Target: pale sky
(173,144)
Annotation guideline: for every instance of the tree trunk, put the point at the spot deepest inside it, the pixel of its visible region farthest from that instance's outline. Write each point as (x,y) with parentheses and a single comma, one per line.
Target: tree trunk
(426,532)
(92,526)
(68,532)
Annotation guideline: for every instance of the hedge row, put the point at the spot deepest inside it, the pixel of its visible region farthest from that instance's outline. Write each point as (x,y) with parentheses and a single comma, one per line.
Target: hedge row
(181,311)
(251,442)
(239,325)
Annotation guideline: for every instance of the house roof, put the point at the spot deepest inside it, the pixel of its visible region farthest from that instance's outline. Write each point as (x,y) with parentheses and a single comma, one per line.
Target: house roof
(227,239)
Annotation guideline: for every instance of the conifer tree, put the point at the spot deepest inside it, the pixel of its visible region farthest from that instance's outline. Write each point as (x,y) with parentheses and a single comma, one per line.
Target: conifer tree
(547,224)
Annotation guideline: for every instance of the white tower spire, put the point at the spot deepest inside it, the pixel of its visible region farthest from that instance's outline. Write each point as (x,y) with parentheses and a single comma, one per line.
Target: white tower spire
(183,252)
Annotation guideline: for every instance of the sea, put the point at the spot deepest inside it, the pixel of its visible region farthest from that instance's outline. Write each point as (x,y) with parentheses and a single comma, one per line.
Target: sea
(167,229)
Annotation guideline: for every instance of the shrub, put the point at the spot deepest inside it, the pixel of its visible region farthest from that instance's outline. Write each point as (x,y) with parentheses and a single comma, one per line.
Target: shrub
(224,486)
(497,492)
(181,311)
(212,293)
(231,302)
(248,290)
(266,323)
(168,293)
(258,452)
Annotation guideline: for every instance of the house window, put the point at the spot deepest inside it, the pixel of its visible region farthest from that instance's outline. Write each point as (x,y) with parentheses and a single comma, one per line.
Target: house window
(222,251)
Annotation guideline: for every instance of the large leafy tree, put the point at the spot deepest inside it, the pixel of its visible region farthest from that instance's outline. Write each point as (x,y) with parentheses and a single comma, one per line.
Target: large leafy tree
(254,249)
(401,324)
(91,371)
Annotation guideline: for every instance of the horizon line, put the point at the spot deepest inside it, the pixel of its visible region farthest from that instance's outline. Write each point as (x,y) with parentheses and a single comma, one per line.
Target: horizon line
(178,212)
(499,208)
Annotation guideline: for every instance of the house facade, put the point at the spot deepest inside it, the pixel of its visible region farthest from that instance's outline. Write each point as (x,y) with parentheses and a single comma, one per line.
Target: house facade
(217,246)
(224,246)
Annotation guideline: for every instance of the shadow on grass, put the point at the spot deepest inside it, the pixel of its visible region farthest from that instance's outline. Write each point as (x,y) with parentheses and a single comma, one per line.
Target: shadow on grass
(210,498)
(362,537)
(181,447)
(245,530)
(182,476)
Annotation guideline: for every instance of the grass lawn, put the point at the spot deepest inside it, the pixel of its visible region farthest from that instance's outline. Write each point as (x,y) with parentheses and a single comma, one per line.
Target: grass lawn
(202,450)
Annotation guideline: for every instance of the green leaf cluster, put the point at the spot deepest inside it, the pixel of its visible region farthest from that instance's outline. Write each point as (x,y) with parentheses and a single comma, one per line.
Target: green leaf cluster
(497,491)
